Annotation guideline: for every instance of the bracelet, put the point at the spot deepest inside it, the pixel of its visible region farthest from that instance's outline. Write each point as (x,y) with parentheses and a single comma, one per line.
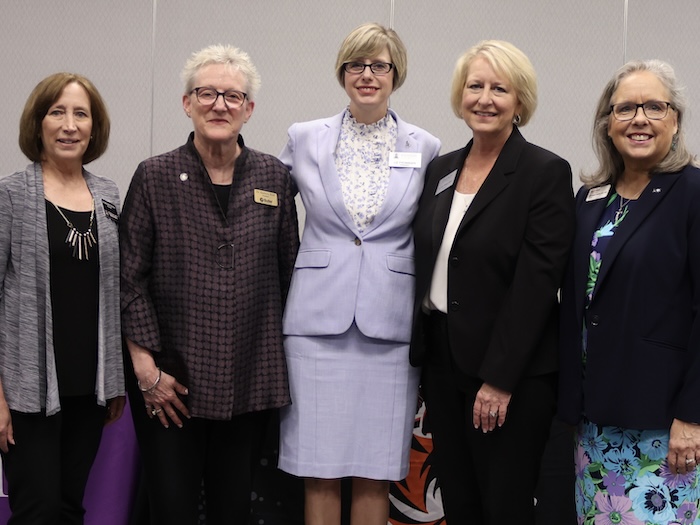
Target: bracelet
(153,386)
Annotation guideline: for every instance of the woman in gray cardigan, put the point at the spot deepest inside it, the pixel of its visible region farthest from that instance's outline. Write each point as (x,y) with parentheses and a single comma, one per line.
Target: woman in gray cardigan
(61,374)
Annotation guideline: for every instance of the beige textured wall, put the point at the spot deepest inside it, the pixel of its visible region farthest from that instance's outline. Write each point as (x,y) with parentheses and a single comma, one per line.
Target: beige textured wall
(134,50)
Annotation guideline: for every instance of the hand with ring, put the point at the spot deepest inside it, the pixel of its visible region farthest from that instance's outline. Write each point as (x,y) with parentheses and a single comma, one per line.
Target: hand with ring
(161,392)
(683,447)
(164,401)
(490,408)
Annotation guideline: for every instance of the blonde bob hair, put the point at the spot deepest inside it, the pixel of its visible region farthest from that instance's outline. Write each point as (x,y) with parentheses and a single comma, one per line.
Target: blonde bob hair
(368,40)
(42,97)
(231,57)
(610,161)
(506,60)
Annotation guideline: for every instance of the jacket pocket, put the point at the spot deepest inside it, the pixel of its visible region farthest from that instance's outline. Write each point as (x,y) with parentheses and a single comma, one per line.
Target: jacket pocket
(313,259)
(669,345)
(401,264)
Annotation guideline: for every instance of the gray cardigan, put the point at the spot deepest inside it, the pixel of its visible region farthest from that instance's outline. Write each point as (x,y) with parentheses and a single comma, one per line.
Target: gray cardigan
(27,364)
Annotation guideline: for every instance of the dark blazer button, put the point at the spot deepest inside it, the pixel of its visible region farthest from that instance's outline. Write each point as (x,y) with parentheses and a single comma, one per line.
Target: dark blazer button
(357,241)
(595,320)
(454,261)
(454,306)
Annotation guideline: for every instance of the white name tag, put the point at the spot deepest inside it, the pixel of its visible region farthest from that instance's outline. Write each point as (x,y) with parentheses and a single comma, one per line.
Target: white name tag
(404,159)
(598,193)
(446,182)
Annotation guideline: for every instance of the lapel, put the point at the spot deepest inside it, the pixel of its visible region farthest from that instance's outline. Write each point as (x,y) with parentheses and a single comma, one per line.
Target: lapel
(443,200)
(399,178)
(587,218)
(498,178)
(657,189)
(327,141)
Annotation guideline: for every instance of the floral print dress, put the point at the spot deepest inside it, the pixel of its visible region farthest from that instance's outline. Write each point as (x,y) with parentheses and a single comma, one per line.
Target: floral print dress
(622,476)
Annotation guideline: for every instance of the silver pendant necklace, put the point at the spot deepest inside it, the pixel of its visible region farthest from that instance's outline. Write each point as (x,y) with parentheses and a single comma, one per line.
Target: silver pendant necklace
(621,209)
(79,241)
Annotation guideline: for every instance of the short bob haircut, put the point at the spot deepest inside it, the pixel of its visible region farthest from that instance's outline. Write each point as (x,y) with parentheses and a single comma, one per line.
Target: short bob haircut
(367,41)
(506,60)
(611,163)
(44,95)
(232,57)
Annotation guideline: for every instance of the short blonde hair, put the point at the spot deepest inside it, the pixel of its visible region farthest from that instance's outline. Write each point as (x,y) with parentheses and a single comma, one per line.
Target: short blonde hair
(230,56)
(369,40)
(506,60)
(42,97)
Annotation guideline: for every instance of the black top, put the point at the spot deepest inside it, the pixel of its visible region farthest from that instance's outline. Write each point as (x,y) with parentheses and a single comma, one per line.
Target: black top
(75,304)
(222,193)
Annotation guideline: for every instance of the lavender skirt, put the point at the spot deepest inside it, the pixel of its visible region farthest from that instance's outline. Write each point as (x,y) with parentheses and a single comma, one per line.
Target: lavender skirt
(354,402)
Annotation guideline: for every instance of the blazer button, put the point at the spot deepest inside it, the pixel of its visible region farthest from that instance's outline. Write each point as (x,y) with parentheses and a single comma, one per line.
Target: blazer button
(454,306)
(454,261)
(595,320)
(357,241)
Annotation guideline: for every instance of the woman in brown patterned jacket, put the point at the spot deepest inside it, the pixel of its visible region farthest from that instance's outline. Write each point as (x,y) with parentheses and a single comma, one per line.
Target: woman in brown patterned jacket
(209,236)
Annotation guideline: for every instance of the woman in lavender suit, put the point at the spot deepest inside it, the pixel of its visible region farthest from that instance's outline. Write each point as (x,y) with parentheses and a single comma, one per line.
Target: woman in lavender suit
(347,322)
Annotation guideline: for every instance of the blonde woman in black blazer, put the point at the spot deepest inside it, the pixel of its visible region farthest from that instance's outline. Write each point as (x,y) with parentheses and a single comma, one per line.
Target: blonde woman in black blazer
(493,230)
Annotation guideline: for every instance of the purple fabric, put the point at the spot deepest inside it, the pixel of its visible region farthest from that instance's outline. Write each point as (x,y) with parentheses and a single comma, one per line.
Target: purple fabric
(113,480)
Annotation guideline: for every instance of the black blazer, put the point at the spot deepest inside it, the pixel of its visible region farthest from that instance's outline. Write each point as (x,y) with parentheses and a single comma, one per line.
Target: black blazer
(506,263)
(643,359)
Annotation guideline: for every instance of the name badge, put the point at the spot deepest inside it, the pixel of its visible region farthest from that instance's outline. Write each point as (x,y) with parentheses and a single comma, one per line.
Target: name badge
(268,198)
(405,159)
(110,211)
(598,193)
(446,182)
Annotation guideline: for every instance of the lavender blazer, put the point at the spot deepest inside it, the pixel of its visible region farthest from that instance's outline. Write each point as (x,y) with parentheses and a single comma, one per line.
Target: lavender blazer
(340,274)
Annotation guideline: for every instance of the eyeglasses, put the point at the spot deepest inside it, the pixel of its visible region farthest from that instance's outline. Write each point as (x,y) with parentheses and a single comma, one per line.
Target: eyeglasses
(653,109)
(208,96)
(378,68)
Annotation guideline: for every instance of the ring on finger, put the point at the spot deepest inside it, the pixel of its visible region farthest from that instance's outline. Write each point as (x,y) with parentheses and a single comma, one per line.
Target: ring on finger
(155,411)
(688,461)
(492,413)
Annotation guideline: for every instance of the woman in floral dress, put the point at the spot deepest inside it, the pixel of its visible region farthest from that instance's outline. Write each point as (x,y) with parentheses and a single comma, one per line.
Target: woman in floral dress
(630,328)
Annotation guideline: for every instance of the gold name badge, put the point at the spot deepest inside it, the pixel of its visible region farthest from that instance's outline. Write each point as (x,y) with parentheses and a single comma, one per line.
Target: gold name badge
(268,198)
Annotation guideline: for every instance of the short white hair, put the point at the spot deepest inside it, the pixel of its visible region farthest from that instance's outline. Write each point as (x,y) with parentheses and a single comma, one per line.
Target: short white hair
(230,56)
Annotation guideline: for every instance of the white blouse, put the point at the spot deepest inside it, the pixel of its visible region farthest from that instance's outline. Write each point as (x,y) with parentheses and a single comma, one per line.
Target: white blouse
(436,298)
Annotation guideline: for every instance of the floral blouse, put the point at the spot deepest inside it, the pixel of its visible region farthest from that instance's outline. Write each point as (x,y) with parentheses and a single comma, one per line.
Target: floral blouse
(362,161)
(615,212)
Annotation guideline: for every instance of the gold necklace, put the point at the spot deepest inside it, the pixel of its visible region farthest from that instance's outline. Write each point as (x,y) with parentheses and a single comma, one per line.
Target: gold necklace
(81,242)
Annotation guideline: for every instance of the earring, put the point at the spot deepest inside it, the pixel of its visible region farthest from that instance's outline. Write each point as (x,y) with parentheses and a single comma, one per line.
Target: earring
(516,120)
(674,142)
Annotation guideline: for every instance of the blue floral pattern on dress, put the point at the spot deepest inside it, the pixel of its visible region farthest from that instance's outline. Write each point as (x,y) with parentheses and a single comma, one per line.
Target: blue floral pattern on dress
(362,161)
(622,477)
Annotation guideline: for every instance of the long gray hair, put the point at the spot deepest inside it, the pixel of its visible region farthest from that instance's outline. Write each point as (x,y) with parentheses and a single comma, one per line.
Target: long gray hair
(611,163)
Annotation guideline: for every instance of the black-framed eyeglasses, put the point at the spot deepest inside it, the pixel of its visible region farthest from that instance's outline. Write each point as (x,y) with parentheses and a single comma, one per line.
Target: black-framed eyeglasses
(378,68)
(207,96)
(653,109)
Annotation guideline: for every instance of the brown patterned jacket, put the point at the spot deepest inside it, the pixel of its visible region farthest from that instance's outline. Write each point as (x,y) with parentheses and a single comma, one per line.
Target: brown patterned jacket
(203,292)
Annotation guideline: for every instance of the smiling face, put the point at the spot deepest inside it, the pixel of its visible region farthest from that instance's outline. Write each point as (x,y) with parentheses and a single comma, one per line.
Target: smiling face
(642,142)
(369,93)
(217,125)
(489,102)
(66,128)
